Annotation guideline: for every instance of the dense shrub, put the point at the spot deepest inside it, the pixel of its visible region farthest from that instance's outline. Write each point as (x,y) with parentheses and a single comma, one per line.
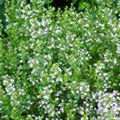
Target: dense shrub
(59,65)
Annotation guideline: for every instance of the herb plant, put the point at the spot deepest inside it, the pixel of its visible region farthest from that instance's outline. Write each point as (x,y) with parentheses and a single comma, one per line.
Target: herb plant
(59,65)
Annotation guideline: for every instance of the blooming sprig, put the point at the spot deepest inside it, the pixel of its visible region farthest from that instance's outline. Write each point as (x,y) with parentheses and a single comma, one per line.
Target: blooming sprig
(57,65)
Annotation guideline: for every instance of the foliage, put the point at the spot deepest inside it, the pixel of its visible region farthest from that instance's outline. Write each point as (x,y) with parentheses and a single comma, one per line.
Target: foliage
(2,10)
(59,65)
(93,4)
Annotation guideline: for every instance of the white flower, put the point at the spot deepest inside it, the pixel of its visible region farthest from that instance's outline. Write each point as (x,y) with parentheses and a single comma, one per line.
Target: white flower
(11,80)
(57,99)
(86,25)
(46,97)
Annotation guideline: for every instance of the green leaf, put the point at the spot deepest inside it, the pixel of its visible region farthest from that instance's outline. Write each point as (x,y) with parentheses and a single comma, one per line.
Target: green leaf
(2,1)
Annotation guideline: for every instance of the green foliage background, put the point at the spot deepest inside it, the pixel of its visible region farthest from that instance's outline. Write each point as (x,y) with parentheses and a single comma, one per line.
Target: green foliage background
(60,65)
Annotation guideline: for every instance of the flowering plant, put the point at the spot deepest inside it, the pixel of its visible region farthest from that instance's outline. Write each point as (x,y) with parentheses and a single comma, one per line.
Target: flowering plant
(59,65)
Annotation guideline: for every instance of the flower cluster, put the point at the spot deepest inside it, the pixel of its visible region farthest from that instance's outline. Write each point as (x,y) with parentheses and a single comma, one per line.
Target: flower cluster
(57,65)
